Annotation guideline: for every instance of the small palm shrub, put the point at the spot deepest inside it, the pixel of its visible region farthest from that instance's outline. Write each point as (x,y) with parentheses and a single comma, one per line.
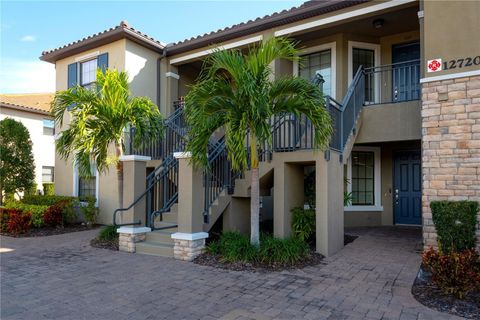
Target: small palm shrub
(303,223)
(456,273)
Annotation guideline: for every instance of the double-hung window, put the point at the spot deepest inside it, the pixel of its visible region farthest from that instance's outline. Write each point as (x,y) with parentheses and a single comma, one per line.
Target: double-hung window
(88,73)
(47,174)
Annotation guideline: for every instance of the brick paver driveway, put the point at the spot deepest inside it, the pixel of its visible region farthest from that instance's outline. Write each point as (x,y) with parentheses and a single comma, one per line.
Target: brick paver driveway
(62,277)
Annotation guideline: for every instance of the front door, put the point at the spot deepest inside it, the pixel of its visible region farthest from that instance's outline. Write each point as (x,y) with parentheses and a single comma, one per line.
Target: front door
(407,196)
(406,72)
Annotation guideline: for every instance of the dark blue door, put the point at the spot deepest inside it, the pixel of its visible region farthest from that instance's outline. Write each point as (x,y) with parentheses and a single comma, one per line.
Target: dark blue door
(407,189)
(406,72)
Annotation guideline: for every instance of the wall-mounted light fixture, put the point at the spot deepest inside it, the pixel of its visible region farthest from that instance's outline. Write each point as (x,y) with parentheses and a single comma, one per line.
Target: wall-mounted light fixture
(378,23)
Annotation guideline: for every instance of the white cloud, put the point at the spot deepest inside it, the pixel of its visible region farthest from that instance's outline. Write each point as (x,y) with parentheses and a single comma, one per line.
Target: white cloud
(28,38)
(26,76)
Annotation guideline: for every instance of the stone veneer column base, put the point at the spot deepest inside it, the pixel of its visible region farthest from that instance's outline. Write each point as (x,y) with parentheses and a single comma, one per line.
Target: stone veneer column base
(188,246)
(450,146)
(128,237)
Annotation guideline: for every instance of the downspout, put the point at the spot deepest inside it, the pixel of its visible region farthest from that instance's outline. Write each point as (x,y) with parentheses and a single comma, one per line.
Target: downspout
(159,75)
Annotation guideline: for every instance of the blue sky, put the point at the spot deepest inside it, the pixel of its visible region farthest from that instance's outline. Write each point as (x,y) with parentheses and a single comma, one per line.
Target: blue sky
(29,27)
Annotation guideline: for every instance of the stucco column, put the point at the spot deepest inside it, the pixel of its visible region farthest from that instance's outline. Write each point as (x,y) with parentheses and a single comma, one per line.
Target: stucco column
(134,177)
(190,239)
(329,205)
(169,79)
(288,194)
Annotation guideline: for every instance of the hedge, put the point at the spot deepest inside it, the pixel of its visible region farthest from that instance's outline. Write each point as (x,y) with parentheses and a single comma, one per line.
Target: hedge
(455,222)
(37,211)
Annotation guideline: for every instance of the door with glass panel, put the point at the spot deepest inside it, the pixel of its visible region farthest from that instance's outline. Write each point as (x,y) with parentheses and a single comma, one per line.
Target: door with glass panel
(406,72)
(365,58)
(295,132)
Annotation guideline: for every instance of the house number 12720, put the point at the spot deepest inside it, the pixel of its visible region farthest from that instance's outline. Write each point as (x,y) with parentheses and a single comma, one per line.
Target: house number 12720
(460,63)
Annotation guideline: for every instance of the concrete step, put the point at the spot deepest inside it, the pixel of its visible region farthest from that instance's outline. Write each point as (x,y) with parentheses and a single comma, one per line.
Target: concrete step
(160,236)
(170,217)
(155,249)
(171,226)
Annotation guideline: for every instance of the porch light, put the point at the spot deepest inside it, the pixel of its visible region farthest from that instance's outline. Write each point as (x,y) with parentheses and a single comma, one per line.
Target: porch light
(378,23)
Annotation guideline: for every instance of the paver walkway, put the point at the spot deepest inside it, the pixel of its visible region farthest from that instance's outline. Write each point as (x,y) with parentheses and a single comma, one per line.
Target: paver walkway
(62,277)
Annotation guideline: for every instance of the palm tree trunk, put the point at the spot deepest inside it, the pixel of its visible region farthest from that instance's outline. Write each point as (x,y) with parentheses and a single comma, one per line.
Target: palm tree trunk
(118,151)
(254,195)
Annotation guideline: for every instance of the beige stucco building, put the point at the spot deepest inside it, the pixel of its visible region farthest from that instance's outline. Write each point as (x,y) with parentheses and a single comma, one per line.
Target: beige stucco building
(403,84)
(33,111)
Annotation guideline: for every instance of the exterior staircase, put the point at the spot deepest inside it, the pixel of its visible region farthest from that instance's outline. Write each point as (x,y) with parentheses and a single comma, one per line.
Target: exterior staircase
(221,183)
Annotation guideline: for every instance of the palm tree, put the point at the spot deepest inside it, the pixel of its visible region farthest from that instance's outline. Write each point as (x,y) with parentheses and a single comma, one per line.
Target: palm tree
(235,92)
(99,117)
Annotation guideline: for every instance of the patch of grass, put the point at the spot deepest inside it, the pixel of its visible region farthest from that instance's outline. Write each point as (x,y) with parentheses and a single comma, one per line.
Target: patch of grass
(236,247)
(109,233)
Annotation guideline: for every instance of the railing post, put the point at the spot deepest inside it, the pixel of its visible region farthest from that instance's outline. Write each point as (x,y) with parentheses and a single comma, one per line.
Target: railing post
(189,241)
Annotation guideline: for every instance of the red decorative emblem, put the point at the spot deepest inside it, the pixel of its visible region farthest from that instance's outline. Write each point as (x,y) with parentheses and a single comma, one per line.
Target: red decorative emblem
(434,65)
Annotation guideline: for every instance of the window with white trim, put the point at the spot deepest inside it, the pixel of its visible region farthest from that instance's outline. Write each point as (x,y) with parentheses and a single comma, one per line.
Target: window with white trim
(86,185)
(48,127)
(364,179)
(47,174)
(88,73)
(318,63)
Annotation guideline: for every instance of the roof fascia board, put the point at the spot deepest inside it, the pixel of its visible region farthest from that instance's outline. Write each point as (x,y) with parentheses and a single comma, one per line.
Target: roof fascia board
(206,52)
(25,109)
(342,16)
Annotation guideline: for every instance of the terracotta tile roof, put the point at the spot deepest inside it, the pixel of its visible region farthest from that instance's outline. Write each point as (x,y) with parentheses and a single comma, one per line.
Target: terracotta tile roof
(34,102)
(304,11)
(123,30)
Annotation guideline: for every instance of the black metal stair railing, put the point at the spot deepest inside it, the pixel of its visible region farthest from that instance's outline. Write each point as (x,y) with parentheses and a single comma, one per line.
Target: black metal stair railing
(161,190)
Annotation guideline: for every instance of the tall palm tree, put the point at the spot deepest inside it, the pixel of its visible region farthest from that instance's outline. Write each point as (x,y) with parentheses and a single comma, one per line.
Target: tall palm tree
(236,92)
(99,116)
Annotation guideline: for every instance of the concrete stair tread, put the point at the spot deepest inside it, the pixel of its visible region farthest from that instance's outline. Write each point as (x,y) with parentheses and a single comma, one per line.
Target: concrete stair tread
(155,248)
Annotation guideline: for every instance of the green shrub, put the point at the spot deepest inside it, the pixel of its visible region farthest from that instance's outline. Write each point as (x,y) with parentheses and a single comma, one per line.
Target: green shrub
(32,190)
(37,211)
(235,247)
(70,211)
(49,189)
(455,222)
(455,273)
(109,233)
(89,210)
(303,223)
(45,200)
(282,251)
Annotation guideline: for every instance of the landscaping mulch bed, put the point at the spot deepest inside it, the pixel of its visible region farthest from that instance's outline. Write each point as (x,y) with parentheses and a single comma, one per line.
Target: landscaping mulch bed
(105,244)
(348,238)
(42,232)
(431,296)
(207,259)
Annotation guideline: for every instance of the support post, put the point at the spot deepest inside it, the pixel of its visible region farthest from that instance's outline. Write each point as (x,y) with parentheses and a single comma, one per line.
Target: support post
(329,205)
(189,241)
(134,175)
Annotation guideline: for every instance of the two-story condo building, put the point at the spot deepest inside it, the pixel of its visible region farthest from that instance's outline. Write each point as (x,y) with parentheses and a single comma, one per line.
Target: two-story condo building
(402,84)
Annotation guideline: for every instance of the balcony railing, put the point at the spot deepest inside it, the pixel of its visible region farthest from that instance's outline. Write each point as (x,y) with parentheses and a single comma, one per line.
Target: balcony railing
(397,82)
